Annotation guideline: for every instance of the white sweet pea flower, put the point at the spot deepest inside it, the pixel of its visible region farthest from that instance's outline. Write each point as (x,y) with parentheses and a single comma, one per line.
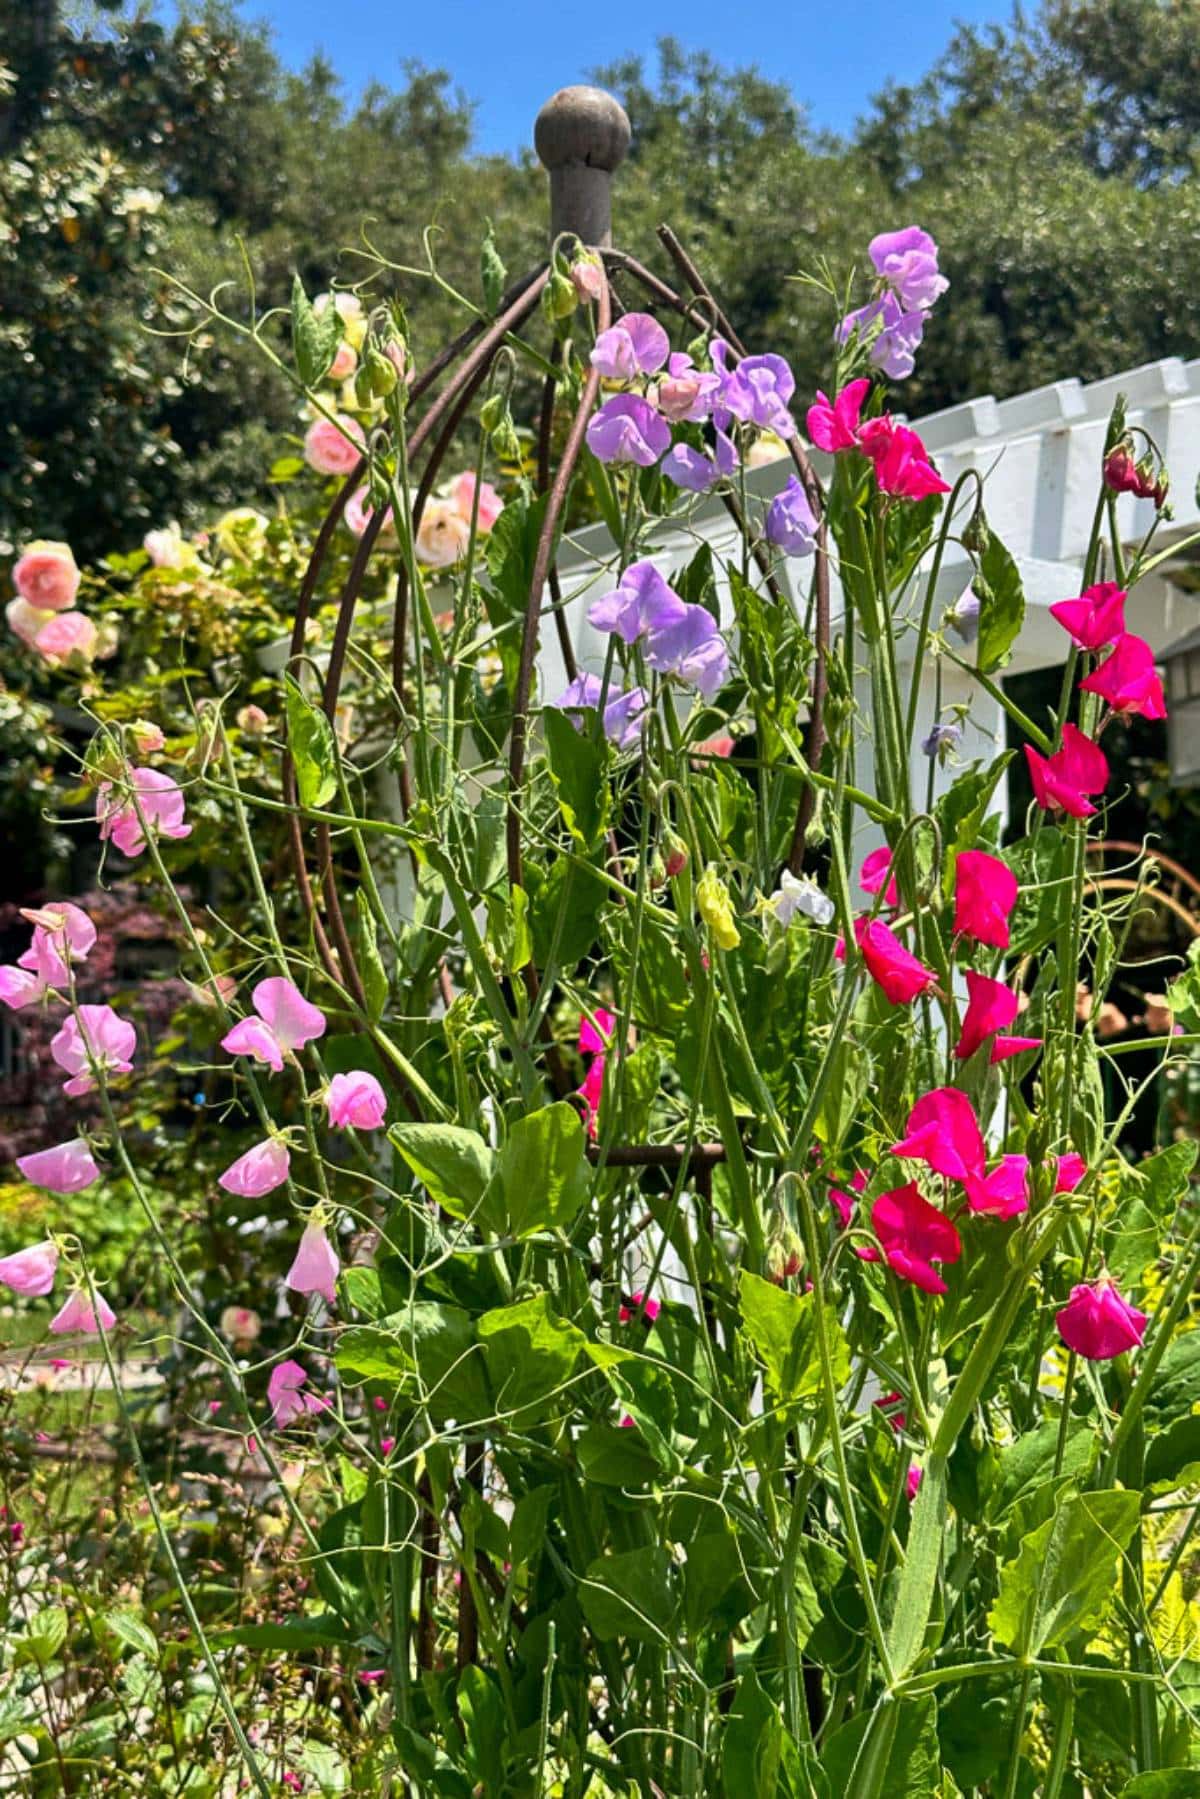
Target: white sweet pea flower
(799,893)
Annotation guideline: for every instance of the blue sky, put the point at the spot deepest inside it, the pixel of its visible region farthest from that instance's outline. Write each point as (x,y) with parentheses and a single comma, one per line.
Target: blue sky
(509,56)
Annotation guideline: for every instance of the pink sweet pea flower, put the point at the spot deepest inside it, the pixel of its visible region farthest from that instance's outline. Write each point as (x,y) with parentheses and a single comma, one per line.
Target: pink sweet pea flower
(333,447)
(1098,1323)
(1128,679)
(990,1006)
(834,426)
(635,345)
(1069,1171)
(1096,618)
(161,802)
(892,1407)
(596,1031)
(356,1099)
(62,933)
(316,1267)
(985,892)
(462,492)
(944,1132)
(902,465)
(914,1235)
(897,971)
(20,987)
(286,1021)
(77,1315)
(93,1039)
(912,1482)
(1003,1047)
(67,1168)
(1004,1192)
(30,1272)
(259,1171)
(1064,779)
(288,1400)
(876,869)
(638,1305)
(845,1205)
(46,577)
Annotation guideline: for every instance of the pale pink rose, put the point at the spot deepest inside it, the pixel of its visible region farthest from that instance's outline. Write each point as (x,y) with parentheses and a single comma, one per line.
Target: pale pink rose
(161,801)
(286,1021)
(344,363)
(30,1272)
(217,991)
(259,1171)
(359,512)
(61,933)
(315,1268)
(78,1315)
(253,721)
(67,1168)
(165,547)
(67,634)
(356,1099)
(334,448)
(285,1392)
(462,492)
(444,535)
(46,576)
(92,1040)
(19,987)
(25,621)
(148,739)
(587,277)
(240,1324)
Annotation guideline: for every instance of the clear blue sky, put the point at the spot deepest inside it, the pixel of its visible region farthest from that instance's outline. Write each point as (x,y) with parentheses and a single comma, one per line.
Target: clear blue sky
(510,55)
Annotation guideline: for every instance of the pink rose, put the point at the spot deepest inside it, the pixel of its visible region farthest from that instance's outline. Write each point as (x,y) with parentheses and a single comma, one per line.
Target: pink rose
(444,534)
(46,576)
(333,447)
(462,491)
(359,512)
(67,634)
(26,621)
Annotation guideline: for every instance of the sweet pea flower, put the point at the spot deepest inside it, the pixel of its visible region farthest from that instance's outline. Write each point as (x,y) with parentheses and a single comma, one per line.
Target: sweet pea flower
(78,1314)
(943,1132)
(286,1395)
(1098,1324)
(691,648)
(161,802)
(892,347)
(30,1272)
(638,1305)
(316,1266)
(286,1021)
(587,277)
(46,576)
(94,1039)
(686,393)
(241,1324)
(62,933)
(1127,679)
(963,616)
(334,446)
(462,494)
(678,638)
(696,471)
(902,466)
(833,425)
(908,261)
(913,1236)
(1004,1192)
(65,635)
(1096,618)
(259,1171)
(942,741)
(635,345)
(1069,1171)
(1065,779)
(628,429)
(912,1482)
(20,987)
(595,1040)
(876,869)
(625,713)
(356,1100)
(896,970)
(990,1006)
(757,391)
(66,1168)
(799,894)
(790,523)
(359,512)
(640,604)
(985,892)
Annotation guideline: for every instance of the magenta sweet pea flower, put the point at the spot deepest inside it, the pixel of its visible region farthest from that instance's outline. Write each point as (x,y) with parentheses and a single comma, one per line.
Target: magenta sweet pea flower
(635,345)
(896,970)
(93,1040)
(944,1132)
(892,334)
(1003,1046)
(625,714)
(315,1267)
(285,1391)
(628,429)
(78,1315)
(259,1171)
(286,1021)
(990,1006)
(757,391)
(912,1482)
(913,1236)
(356,1100)
(985,892)
(1098,1323)
(1128,679)
(902,465)
(1004,1192)
(638,1306)
(1096,618)
(66,1168)
(908,261)
(161,802)
(833,425)
(876,869)
(1065,779)
(1069,1171)
(790,523)
(595,1040)
(30,1272)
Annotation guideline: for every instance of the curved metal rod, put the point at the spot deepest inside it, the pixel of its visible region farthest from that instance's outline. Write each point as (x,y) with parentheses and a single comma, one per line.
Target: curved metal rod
(545,439)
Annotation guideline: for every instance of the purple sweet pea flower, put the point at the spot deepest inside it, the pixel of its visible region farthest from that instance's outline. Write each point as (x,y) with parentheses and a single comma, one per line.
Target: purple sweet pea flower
(756,391)
(624,715)
(640,603)
(627,429)
(893,348)
(695,470)
(963,616)
(692,648)
(635,345)
(908,262)
(790,523)
(941,740)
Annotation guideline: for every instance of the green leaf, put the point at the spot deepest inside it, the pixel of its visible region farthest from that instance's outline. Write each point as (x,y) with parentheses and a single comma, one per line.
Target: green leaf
(492,272)
(325,1630)
(752,1744)
(511,551)
(429,1349)
(1147,1198)
(43,1638)
(613,1457)
(1027,1465)
(634,1595)
(541,1173)
(454,1164)
(1183,993)
(375,979)
(128,1628)
(481,1709)
(530,1355)
(975,1725)
(1001,601)
(890,1752)
(1164,1783)
(315,336)
(578,765)
(781,1327)
(1172,1453)
(312,745)
(1064,1574)
(914,1594)
(962,809)
(527,1529)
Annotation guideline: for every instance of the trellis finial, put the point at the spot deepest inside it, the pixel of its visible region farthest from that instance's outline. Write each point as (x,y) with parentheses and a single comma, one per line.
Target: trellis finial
(582,134)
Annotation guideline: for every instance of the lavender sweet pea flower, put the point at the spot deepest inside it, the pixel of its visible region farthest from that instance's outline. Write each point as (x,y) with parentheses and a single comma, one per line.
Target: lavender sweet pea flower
(941,741)
(756,391)
(893,348)
(627,429)
(641,602)
(908,262)
(963,616)
(696,471)
(635,345)
(624,715)
(692,648)
(790,524)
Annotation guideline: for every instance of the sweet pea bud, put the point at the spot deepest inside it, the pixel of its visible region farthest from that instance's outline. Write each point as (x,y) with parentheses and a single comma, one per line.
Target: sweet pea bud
(698,349)
(587,277)
(676,855)
(559,298)
(785,1252)
(377,376)
(505,441)
(1120,470)
(492,412)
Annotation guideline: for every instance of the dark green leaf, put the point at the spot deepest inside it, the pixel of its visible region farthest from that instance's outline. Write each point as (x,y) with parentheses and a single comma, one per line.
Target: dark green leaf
(634,1595)
(1001,603)
(312,745)
(578,765)
(752,1744)
(530,1355)
(315,336)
